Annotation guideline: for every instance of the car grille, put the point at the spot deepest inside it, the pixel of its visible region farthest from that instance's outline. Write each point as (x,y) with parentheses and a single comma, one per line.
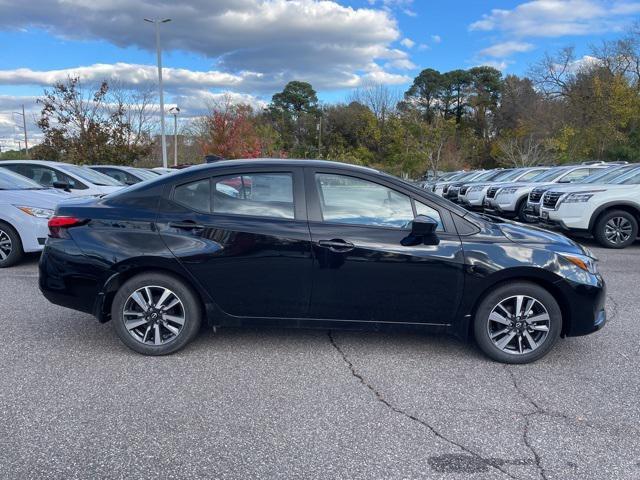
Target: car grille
(453,191)
(463,190)
(536,195)
(491,193)
(550,199)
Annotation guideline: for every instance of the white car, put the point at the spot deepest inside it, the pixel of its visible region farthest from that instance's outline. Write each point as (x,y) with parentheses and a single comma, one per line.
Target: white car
(441,188)
(77,180)
(472,194)
(510,200)
(125,174)
(25,208)
(609,211)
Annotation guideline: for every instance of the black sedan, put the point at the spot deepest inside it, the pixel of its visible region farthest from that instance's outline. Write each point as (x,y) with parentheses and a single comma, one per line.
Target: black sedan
(313,244)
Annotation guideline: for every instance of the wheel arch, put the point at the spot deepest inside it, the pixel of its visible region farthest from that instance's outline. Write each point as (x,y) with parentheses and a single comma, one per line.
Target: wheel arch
(630,207)
(126,272)
(544,281)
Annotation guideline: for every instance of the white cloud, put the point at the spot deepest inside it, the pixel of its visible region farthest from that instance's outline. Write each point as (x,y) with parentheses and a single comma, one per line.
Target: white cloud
(320,41)
(436,38)
(505,49)
(407,42)
(555,18)
(501,65)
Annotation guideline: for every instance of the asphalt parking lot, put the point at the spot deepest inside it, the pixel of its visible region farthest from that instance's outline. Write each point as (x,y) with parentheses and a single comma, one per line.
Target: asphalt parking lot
(76,403)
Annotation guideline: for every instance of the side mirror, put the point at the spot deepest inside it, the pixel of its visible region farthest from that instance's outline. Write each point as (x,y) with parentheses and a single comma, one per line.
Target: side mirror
(423,226)
(62,185)
(423,232)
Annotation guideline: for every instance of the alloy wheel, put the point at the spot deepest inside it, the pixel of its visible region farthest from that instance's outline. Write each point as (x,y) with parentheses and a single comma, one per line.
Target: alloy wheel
(153,315)
(5,245)
(519,324)
(618,230)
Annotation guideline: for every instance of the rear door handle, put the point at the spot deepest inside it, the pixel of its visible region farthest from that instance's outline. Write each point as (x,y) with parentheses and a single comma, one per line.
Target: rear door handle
(336,245)
(187,225)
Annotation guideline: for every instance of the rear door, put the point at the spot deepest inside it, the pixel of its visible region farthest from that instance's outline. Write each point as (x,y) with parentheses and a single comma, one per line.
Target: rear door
(362,270)
(244,236)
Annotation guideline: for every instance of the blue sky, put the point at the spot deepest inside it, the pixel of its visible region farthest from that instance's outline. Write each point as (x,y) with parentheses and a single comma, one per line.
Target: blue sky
(251,48)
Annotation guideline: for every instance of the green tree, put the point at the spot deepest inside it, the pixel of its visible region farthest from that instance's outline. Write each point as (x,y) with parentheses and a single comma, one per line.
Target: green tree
(425,92)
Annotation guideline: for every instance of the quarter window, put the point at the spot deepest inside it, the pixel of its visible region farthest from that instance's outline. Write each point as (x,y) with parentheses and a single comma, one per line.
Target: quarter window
(257,194)
(355,201)
(195,195)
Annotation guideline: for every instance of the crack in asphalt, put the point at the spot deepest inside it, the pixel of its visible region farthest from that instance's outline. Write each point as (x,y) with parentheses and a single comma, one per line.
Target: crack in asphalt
(525,433)
(495,463)
(614,310)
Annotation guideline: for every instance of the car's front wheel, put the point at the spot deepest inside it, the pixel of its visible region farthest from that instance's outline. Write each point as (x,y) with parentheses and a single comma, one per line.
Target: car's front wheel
(517,323)
(156,314)
(616,229)
(10,246)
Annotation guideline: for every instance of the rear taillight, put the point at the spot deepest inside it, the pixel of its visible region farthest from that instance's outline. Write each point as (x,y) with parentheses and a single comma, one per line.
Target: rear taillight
(57,225)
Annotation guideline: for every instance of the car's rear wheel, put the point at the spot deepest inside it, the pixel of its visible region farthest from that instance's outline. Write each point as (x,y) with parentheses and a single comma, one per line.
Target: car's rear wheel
(156,314)
(11,251)
(517,323)
(616,229)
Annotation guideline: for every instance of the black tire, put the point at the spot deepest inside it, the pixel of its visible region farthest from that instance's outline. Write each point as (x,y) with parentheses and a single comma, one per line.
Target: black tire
(189,306)
(10,257)
(482,324)
(600,230)
(521,215)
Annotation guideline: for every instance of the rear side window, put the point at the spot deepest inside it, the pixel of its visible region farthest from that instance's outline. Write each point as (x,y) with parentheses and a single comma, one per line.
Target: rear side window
(195,195)
(256,194)
(45,176)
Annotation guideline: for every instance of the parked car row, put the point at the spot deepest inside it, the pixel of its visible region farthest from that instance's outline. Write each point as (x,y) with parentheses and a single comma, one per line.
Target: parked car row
(601,199)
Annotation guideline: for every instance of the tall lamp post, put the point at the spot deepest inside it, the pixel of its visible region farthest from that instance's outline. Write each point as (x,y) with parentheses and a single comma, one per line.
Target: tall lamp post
(175,111)
(159,52)
(24,126)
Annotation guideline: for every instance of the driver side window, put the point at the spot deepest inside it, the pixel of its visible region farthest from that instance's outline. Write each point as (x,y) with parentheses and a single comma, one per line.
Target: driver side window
(354,201)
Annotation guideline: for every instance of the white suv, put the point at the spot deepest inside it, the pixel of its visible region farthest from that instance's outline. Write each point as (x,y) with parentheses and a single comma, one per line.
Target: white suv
(610,212)
(472,194)
(510,200)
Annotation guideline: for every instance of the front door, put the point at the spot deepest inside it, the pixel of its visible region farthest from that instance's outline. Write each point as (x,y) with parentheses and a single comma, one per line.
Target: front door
(361,269)
(244,237)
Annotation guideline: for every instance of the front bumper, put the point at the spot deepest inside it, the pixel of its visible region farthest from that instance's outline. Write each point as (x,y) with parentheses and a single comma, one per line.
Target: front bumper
(584,306)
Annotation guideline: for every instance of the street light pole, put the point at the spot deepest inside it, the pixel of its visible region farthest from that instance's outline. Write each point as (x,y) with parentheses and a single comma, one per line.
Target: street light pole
(159,54)
(24,126)
(175,111)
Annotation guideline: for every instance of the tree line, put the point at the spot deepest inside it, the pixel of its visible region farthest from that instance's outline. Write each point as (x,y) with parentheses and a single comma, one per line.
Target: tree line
(564,109)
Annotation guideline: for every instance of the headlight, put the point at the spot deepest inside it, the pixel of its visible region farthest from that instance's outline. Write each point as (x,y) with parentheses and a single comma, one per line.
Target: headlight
(36,212)
(583,262)
(507,190)
(579,197)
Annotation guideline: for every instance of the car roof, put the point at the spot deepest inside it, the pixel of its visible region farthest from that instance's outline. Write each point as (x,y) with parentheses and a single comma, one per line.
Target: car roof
(280,162)
(38,162)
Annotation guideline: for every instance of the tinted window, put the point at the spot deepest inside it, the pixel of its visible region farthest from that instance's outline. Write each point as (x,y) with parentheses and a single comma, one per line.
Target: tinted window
(195,195)
(422,209)
(45,176)
(354,201)
(257,194)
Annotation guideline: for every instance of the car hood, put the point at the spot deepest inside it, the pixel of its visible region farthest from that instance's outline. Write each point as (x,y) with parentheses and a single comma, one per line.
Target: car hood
(591,187)
(32,198)
(534,236)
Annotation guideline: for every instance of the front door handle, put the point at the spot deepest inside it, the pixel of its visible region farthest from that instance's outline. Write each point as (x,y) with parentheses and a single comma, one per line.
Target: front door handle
(337,245)
(186,225)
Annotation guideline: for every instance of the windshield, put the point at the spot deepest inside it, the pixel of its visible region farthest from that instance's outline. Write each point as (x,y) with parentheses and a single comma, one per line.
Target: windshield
(144,174)
(548,175)
(91,176)
(508,175)
(13,181)
(609,174)
(490,175)
(527,177)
